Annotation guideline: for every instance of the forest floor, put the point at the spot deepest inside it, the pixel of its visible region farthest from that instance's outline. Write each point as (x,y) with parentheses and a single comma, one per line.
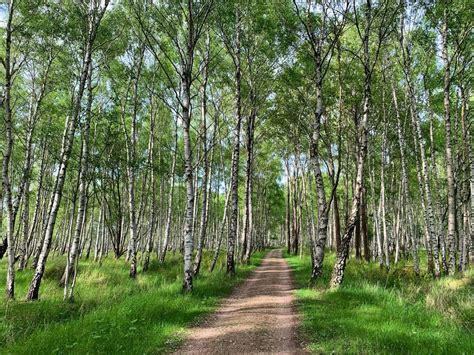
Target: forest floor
(259,316)
(375,311)
(113,314)
(380,311)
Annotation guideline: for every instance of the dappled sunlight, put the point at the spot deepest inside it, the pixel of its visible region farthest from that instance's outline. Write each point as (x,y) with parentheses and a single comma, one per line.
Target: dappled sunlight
(455,284)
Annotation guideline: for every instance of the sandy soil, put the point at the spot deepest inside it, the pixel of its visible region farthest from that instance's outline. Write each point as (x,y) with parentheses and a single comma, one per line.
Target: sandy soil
(259,316)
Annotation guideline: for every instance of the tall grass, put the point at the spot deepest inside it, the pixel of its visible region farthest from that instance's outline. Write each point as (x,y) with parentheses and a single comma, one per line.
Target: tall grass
(111,312)
(378,311)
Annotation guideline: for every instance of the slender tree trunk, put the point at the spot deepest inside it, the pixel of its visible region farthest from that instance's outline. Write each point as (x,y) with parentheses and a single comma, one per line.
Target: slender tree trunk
(23,252)
(433,253)
(37,210)
(188,175)
(205,178)
(382,202)
(192,31)
(169,211)
(66,147)
(24,188)
(364,229)
(471,163)
(98,232)
(469,176)
(151,163)
(357,238)
(295,243)
(343,252)
(323,209)
(188,226)
(288,208)
(43,221)
(451,238)
(247,229)
(81,212)
(234,206)
(437,203)
(24,191)
(221,232)
(131,141)
(7,154)
(405,190)
(337,221)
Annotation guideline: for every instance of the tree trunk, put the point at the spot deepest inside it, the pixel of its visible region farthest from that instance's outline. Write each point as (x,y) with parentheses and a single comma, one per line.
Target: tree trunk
(247,229)
(66,147)
(451,238)
(131,144)
(205,178)
(151,163)
(234,185)
(364,229)
(169,211)
(7,154)
(343,252)
(288,208)
(405,190)
(323,210)
(221,232)
(295,221)
(188,226)
(433,254)
(357,239)
(81,212)
(382,203)
(188,175)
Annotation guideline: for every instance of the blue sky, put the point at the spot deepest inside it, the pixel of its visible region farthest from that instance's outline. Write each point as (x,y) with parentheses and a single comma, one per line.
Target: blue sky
(3,13)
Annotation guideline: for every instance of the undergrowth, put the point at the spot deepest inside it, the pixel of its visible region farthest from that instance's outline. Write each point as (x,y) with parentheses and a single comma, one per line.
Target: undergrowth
(385,311)
(111,312)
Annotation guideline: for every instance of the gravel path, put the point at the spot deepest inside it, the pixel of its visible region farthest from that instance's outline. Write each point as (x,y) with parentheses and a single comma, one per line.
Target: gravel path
(258,317)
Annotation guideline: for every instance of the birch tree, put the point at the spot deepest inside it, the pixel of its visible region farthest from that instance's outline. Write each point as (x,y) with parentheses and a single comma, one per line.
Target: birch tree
(322,41)
(384,14)
(93,13)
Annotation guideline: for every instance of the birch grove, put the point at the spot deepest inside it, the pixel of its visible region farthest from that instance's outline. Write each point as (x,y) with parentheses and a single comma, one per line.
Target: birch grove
(203,131)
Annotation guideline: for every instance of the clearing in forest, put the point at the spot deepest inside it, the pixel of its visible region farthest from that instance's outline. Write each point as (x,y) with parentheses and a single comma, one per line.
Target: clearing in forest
(259,316)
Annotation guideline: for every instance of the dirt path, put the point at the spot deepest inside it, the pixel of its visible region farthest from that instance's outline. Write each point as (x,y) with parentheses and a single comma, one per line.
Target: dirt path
(259,316)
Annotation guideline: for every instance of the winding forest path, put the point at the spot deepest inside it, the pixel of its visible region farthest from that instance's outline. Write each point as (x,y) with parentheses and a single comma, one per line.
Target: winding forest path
(258,317)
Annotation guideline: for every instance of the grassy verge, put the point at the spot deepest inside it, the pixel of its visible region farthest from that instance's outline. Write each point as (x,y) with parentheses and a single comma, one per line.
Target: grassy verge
(111,314)
(379,311)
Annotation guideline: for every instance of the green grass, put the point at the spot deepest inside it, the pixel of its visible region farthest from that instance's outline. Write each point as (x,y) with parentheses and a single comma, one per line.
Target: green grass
(378,311)
(111,313)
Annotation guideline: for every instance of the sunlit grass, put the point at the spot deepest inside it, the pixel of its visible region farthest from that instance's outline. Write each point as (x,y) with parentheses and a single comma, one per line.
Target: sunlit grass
(111,312)
(380,311)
